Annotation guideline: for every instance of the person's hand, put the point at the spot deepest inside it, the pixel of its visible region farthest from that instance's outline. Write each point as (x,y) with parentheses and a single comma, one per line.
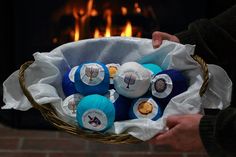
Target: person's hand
(183,133)
(158,37)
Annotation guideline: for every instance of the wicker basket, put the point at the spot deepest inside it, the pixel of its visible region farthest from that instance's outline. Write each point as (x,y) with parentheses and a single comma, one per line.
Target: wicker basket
(50,115)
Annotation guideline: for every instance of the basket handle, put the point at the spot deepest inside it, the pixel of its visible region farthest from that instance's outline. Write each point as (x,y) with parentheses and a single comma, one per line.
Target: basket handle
(205,73)
(25,90)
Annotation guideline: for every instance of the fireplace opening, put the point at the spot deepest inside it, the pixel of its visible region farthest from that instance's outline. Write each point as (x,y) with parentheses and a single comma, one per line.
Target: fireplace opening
(43,25)
(77,20)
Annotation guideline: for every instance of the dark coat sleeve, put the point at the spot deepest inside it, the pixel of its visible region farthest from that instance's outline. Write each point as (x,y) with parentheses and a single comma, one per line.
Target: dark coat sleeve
(215,41)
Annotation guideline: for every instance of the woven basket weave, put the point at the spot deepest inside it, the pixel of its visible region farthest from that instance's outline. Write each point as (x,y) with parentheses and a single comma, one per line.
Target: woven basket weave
(50,114)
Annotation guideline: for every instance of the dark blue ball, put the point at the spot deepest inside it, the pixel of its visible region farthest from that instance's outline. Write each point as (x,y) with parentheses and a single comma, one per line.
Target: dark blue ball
(145,107)
(168,84)
(68,84)
(121,104)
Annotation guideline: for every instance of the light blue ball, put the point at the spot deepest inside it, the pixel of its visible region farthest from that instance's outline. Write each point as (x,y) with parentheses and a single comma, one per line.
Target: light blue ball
(153,68)
(92,78)
(145,107)
(68,84)
(95,112)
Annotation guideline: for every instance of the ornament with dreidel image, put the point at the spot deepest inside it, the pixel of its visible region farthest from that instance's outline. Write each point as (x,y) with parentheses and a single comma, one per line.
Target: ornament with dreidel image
(113,68)
(95,112)
(146,106)
(122,105)
(168,84)
(132,80)
(68,82)
(92,78)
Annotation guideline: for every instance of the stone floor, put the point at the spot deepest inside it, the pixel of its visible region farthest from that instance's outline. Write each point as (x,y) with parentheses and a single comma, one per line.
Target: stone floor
(34,143)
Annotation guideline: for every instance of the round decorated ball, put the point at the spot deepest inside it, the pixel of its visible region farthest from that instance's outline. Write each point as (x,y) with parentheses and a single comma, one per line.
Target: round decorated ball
(145,107)
(70,103)
(92,78)
(153,68)
(168,84)
(132,80)
(121,104)
(112,68)
(95,112)
(68,82)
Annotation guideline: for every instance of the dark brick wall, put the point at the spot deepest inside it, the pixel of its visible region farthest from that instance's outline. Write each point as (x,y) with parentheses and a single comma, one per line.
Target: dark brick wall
(31,143)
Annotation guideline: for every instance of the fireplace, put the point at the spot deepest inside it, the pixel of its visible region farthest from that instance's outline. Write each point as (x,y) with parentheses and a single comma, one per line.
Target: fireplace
(42,25)
(78,19)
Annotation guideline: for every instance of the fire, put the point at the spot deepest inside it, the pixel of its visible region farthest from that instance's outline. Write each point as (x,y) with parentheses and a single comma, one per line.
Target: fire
(76,38)
(88,11)
(97,33)
(108,15)
(128,30)
(137,8)
(82,17)
(94,12)
(76,31)
(124,11)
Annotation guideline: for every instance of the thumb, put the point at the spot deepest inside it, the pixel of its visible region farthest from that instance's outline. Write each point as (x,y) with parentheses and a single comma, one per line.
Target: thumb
(172,121)
(156,39)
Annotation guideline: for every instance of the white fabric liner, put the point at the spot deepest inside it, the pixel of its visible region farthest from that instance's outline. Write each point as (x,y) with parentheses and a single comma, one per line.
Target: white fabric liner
(43,78)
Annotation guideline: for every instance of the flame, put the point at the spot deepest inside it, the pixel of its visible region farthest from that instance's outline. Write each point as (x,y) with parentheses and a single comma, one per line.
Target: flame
(96,33)
(137,8)
(76,31)
(94,12)
(124,10)
(76,37)
(89,10)
(128,30)
(108,14)
(81,12)
(81,16)
(108,32)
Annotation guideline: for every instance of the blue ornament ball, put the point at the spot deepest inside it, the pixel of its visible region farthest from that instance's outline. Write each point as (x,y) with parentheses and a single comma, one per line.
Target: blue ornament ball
(168,84)
(95,112)
(153,68)
(121,104)
(68,82)
(145,107)
(92,78)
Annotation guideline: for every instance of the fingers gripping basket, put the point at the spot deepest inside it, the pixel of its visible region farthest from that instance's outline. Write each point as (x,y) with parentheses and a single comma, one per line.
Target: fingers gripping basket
(50,114)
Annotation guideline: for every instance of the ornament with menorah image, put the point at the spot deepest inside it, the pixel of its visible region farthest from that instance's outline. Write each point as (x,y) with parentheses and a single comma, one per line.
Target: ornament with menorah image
(132,80)
(92,78)
(91,72)
(129,79)
(72,106)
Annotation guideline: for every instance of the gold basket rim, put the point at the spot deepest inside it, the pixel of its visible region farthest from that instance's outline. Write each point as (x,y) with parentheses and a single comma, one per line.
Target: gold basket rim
(50,115)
